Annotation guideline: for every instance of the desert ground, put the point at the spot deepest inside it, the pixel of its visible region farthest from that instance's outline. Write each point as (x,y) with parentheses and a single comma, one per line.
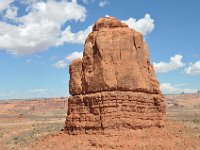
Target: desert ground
(37,125)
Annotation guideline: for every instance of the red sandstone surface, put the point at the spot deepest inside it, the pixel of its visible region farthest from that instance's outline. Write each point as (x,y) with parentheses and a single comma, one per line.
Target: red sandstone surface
(114,86)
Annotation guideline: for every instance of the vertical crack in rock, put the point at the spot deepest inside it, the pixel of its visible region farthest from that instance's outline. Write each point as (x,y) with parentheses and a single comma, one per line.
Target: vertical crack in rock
(114,87)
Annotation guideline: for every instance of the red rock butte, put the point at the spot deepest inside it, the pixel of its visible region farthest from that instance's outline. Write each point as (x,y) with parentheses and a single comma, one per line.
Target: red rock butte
(113,88)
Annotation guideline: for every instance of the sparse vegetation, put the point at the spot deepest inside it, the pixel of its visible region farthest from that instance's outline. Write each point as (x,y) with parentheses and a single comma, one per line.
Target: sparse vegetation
(20,133)
(21,126)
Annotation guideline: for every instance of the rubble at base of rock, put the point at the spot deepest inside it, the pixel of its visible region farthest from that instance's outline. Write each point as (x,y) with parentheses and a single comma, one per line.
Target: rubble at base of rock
(114,86)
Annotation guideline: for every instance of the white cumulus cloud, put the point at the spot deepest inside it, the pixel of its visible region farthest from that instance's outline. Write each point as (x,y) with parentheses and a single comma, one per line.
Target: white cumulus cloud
(67,36)
(193,69)
(74,56)
(174,63)
(168,88)
(4,4)
(41,27)
(11,13)
(64,63)
(60,64)
(103,3)
(144,25)
(29,1)
(87,1)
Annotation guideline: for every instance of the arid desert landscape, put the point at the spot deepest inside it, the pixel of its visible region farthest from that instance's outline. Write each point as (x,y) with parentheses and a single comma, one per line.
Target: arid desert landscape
(99,75)
(38,124)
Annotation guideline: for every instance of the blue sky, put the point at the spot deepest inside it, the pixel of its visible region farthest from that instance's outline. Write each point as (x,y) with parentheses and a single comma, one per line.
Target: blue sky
(39,38)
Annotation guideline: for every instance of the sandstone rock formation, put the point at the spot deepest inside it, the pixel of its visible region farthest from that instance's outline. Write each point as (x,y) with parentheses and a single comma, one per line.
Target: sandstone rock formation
(113,87)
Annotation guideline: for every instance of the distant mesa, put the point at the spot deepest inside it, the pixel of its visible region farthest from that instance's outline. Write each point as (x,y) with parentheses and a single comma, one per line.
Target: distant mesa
(113,88)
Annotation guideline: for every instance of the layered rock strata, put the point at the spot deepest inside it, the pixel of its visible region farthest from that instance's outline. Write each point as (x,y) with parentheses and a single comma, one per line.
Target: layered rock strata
(114,86)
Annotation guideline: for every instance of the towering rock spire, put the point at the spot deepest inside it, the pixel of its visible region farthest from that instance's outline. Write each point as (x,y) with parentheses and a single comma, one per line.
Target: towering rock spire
(114,86)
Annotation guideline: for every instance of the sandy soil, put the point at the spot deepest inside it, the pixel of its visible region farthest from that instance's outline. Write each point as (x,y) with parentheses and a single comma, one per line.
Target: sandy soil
(173,136)
(40,128)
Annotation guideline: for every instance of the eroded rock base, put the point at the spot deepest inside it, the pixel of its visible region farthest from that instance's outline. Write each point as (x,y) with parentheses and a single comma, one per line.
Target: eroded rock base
(112,111)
